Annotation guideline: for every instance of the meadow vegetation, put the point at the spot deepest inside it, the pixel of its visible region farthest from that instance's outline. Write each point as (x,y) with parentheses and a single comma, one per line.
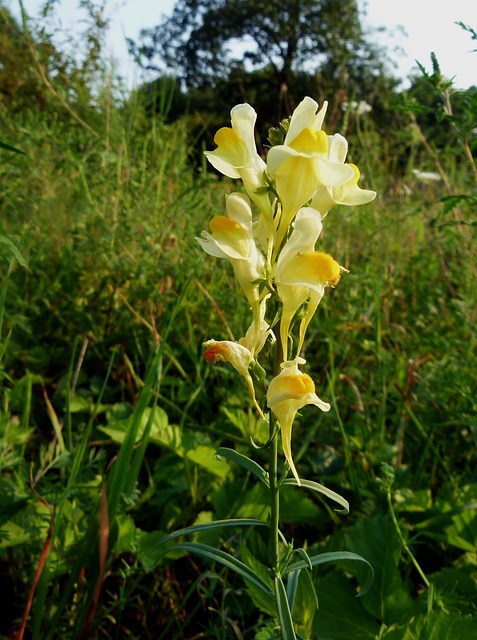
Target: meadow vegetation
(110,417)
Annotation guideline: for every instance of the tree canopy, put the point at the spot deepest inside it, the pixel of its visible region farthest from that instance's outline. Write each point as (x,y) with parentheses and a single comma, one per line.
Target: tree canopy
(203,40)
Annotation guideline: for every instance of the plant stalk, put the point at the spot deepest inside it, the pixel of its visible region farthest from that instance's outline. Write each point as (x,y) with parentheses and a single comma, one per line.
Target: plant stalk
(274,496)
(273,467)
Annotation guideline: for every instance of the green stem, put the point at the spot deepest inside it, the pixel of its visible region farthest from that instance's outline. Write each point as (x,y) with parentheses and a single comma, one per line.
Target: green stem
(273,468)
(274,496)
(402,540)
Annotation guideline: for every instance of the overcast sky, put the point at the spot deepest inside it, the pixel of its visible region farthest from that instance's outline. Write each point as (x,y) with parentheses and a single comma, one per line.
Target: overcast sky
(427,25)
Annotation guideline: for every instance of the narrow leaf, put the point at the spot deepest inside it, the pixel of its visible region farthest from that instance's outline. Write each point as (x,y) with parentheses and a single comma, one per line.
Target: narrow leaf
(12,248)
(292,586)
(284,613)
(208,526)
(334,556)
(243,461)
(8,147)
(226,560)
(319,488)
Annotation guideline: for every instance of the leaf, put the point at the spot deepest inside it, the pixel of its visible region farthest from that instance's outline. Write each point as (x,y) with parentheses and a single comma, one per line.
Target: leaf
(8,147)
(298,506)
(261,601)
(208,526)
(12,534)
(438,625)
(292,587)
(456,589)
(284,613)
(335,556)
(226,560)
(341,615)
(455,200)
(377,541)
(11,247)
(147,544)
(305,603)
(204,456)
(319,488)
(245,462)
(127,534)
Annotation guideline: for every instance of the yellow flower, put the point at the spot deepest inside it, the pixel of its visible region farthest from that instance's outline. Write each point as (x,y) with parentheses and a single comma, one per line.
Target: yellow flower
(289,392)
(348,193)
(238,356)
(232,237)
(236,154)
(302,274)
(302,164)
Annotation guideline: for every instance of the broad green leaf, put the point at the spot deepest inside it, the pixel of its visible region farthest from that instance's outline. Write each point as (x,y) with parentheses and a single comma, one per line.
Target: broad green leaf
(161,432)
(146,553)
(247,423)
(319,488)
(341,615)
(376,540)
(11,534)
(455,525)
(243,461)
(127,534)
(456,588)
(204,455)
(438,625)
(407,500)
(261,601)
(284,613)
(299,506)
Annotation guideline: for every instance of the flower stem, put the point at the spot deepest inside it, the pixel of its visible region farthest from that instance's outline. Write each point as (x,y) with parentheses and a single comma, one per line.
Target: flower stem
(403,542)
(274,496)
(273,468)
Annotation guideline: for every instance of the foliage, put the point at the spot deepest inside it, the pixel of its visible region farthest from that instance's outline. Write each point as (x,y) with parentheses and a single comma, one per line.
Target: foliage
(110,419)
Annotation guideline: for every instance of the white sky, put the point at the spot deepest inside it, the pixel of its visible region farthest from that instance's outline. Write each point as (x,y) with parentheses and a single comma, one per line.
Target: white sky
(429,25)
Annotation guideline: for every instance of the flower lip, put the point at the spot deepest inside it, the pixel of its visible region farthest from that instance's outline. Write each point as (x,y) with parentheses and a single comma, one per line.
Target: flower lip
(216,353)
(311,142)
(315,266)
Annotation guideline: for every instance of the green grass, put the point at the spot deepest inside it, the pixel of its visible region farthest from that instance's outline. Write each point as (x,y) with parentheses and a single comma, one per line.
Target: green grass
(110,418)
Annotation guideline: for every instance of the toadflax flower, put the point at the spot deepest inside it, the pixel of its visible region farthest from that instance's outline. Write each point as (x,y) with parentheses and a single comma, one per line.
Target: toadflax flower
(302,274)
(236,155)
(232,237)
(289,392)
(348,193)
(302,164)
(238,356)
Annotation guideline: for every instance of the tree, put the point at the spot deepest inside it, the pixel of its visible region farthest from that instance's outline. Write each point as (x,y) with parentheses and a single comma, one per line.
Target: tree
(204,40)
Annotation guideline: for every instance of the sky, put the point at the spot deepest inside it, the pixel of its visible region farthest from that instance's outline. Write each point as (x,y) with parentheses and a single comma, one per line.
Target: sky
(416,27)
